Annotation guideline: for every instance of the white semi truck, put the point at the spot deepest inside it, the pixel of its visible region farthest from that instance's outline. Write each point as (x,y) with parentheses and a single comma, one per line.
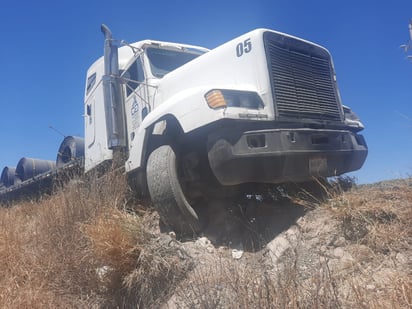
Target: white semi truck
(188,123)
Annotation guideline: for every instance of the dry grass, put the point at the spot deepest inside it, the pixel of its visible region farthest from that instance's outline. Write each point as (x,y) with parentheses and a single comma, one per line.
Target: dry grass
(81,249)
(375,223)
(377,216)
(42,245)
(228,284)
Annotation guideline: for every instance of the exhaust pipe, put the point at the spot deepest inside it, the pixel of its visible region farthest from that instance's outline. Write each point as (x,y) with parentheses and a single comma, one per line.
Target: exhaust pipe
(113,96)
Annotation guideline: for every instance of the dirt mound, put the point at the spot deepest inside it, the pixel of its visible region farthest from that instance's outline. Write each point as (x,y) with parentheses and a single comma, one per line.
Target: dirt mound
(352,251)
(93,246)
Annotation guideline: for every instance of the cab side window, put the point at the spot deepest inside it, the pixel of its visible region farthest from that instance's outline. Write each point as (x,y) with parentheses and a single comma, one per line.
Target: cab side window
(91,81)
(134,76)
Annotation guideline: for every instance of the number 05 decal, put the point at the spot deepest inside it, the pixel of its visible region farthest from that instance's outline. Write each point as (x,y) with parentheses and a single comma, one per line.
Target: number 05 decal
(243,47)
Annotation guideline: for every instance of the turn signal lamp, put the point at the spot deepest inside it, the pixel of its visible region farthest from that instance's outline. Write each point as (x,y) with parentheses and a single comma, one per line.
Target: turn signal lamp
(215,99)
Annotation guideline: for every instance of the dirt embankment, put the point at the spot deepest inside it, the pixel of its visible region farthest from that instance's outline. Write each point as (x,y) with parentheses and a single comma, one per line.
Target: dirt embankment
(342,250)
(90,247)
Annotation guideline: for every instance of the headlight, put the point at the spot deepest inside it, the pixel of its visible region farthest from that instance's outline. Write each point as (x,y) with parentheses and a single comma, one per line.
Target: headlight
(233,98)
(349,114)
(351,118)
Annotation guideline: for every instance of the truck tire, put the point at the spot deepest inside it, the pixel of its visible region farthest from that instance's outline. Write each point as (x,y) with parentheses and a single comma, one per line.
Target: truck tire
(167,194)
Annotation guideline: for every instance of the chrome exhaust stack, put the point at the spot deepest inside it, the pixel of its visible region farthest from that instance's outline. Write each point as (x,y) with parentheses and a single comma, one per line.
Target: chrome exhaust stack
(113,96)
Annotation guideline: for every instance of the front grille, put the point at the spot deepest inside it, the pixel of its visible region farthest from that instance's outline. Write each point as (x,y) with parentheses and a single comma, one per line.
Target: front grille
(301,78)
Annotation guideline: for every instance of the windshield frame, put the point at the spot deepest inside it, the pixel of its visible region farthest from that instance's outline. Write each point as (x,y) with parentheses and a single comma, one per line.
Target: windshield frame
(159,65)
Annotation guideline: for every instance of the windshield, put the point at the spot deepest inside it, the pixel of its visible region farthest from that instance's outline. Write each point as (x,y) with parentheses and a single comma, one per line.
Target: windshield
(163,61)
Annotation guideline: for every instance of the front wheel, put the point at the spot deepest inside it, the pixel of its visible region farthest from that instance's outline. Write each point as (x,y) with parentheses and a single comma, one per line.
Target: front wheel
(167,194)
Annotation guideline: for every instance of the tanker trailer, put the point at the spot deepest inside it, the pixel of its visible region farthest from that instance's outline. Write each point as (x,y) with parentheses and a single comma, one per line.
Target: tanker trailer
(34,177)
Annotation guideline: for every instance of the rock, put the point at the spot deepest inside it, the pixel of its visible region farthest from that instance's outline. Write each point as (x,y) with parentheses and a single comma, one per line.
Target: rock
(237,252)
(288,239)
(323,249)
(102,272)
(277,247)
(210,249)
(340,242)
(203,242)
(401,259)
(338,253)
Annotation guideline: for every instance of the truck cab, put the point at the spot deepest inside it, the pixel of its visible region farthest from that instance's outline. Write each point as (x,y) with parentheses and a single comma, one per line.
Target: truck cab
(262,108)
(141,66)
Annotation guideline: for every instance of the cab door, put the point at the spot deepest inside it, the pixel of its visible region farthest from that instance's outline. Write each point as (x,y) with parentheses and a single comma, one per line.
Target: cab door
(96,148)
(136,97)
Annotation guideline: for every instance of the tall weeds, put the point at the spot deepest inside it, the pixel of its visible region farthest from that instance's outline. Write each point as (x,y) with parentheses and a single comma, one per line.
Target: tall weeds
(83,248)
(80,249)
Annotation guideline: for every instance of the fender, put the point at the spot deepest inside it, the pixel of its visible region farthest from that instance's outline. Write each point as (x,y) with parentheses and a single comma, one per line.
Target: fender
(181,107)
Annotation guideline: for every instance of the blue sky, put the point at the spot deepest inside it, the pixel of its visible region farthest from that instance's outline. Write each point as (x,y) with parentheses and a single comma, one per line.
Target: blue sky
(47,46)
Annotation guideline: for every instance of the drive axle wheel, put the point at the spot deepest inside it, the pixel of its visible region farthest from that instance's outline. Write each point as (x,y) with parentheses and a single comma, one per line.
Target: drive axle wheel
(167,193)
